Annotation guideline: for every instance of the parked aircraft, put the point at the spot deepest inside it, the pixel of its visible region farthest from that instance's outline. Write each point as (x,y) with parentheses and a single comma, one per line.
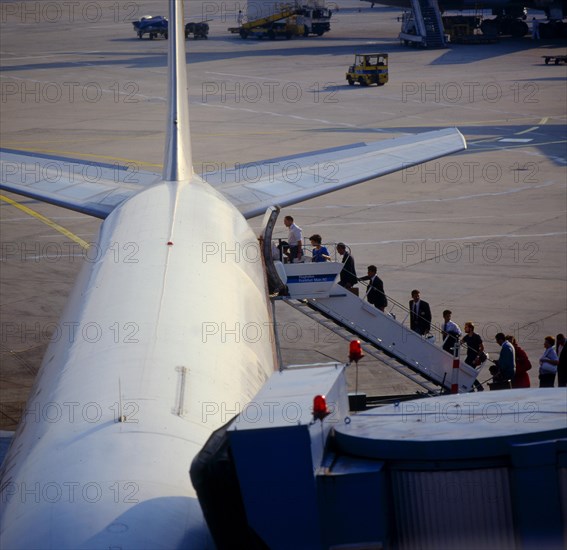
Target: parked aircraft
(134,405)
(512,8)
(510,14)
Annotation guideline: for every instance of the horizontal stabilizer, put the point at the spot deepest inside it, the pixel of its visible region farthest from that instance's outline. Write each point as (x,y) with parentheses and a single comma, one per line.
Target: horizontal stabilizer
(87,187)
(256,186)
(96,189)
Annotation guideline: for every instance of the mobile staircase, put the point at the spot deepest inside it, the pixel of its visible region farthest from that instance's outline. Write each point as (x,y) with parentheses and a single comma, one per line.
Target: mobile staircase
(313,289)
(346,328)
(423,26)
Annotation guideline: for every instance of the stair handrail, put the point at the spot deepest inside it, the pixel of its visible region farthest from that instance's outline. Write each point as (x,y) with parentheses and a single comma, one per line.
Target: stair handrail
(393,304)
(435,5)
(435,329)
(418,16)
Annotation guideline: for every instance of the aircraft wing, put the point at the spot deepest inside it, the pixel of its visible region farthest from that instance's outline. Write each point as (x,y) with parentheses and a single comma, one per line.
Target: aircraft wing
(87,187)
(96,189)
(256,186)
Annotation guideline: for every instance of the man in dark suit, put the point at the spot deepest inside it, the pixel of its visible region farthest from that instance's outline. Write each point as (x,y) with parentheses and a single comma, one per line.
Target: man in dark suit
(375,290)
(420,314)
(348,274)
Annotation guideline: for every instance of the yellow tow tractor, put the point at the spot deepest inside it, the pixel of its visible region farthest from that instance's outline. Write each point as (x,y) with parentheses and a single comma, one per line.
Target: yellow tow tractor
(368,68)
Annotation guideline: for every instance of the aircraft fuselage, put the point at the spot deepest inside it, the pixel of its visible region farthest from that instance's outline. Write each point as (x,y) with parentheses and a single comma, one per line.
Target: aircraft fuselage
(160,327)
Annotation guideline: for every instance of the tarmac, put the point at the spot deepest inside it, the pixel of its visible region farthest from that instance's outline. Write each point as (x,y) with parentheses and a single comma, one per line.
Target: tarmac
(482,233)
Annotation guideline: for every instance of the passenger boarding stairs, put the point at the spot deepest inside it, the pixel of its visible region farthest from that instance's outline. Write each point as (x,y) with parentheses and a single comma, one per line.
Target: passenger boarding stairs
(313,289)
(345,329)
(425,27)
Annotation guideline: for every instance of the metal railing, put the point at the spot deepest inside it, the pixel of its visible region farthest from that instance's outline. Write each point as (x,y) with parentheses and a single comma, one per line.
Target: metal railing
(396,309)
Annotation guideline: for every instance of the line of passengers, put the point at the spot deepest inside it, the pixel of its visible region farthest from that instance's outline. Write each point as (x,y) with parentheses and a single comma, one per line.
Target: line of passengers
(511,368)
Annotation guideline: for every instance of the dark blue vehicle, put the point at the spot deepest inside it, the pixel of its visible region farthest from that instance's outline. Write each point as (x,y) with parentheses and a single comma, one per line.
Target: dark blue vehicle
(198,30)
(154,25)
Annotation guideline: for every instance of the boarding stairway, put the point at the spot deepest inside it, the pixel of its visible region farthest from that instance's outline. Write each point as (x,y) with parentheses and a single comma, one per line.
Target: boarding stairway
(345,329)
(312,288)
(426,25)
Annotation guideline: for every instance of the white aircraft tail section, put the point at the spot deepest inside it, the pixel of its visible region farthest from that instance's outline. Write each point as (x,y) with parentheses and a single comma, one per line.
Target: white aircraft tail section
(177,163)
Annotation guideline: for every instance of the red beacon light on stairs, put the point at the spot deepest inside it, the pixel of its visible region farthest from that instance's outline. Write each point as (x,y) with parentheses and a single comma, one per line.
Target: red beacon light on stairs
(355,352)
(320,409)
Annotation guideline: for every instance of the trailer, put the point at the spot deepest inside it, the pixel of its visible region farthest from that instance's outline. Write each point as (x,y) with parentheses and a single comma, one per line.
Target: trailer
(556,59)
(157,25)
(152,25)
(198,30)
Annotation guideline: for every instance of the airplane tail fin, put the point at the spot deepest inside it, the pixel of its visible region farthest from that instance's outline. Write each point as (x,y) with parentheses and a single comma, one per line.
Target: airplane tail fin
(177,165)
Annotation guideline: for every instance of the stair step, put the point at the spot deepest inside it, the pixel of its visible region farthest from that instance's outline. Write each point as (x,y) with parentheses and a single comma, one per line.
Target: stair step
(304,307)
(430,23)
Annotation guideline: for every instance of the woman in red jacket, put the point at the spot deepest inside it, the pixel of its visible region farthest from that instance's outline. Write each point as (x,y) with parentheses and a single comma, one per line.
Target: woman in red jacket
(523,365)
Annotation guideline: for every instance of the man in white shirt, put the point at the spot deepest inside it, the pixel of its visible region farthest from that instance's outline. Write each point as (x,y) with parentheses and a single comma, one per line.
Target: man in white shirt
(451,332)
(294,240)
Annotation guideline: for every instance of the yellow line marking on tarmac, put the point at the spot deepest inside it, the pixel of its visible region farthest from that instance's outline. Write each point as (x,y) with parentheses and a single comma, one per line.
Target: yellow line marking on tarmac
(46,221)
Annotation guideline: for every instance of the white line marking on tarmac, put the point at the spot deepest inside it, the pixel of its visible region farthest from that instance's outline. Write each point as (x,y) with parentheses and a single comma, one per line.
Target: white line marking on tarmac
(420,220)
(54,54)
(526,131)
(103,90)
(50,257)
(390,222)
(270,113)
(467,238)
(441,200)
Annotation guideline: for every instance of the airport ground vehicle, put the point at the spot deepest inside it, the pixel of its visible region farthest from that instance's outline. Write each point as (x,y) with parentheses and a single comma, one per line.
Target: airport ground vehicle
(276,29)
(198,30)
(368,68)
(556,59)
(270,26)
(466,29)
(298,20)
(157,25)
(153,25)
(314,20)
